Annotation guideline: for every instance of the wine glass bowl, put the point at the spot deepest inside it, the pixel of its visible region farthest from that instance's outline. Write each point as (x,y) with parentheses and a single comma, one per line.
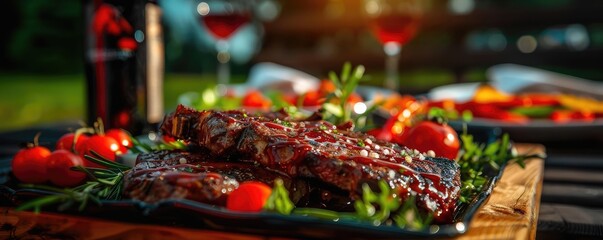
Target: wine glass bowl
(222,18)
(394,23)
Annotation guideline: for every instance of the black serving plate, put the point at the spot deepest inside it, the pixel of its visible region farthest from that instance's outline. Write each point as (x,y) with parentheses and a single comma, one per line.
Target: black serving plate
(191,214)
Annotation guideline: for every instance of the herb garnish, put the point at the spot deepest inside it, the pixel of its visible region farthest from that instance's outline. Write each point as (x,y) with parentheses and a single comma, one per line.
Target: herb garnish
(476,158)
(279,199)
(103,184)
(146,147)
(377,208)
(336,107)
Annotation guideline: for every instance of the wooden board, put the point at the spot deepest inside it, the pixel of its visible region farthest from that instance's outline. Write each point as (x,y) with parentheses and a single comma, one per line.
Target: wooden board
(510,213)
(512,210)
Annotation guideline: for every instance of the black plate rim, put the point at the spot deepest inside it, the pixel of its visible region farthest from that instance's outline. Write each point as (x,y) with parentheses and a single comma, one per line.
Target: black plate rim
(456,228)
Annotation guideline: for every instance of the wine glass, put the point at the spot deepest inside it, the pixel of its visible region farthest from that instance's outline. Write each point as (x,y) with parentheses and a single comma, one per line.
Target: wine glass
(223,18)
(394,23)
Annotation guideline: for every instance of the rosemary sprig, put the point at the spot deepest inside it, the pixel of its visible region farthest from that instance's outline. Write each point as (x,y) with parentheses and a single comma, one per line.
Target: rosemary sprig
(103,184)
(67,197)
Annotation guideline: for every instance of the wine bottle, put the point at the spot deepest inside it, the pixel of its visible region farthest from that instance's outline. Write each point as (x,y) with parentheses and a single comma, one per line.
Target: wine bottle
(122,89)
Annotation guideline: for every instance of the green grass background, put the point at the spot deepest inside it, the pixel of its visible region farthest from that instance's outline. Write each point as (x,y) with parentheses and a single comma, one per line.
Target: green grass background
(27,100)
(33,99)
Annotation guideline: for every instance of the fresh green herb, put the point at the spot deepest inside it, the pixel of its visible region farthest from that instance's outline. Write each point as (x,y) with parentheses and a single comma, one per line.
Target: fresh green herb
(443,115)
(282,122)
(279,199)
(323,213)
(103,184)
(277,99)
(410,217)
(378,208)
(360,143)
(477,158)
(534,111)
(339,111)
(66,197)
(146,147)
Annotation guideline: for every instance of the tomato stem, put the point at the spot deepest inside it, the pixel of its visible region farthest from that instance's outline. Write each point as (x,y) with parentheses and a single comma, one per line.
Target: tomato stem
(77,134)
(36,139)
(101,127)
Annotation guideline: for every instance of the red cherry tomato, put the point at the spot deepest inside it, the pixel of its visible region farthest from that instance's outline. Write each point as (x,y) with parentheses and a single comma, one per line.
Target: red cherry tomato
(312,98)
(29,165)
(59,168)
(427,135)
(249,197)
(564,116)
(254,98)
(326,87)
(122,137)
(290,98)
(492,111)
(380,133)
(354,98)
(80,147)
(167,138)
(66,142)
(106,146)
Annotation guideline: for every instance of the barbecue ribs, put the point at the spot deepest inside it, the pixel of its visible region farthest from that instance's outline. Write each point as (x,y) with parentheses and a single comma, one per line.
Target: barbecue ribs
(273,146)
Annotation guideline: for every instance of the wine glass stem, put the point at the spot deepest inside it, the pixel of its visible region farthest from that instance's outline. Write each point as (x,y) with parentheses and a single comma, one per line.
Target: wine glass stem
(223,62)
(392,51)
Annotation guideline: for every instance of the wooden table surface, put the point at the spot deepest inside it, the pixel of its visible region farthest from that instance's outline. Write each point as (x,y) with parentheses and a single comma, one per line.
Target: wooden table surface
(512,210)
(510,213)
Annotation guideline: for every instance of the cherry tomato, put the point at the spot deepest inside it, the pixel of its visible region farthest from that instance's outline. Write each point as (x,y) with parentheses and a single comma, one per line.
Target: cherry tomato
(326,87)
(312,98)
(168,138)
(354,98)
(106,146)
(290,98)
(122,137)
(564,116)
(381,133)
(398,124)
(29,165)
(66,142)
(254,98)
(249,197)
(59,168)
(80,147)
(427,135)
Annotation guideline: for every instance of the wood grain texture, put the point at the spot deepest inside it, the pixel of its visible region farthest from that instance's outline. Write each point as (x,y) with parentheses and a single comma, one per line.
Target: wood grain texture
(511,212)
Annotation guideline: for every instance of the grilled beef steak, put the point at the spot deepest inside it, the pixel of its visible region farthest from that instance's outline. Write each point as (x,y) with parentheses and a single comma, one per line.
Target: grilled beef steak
(192,175)
(318,150)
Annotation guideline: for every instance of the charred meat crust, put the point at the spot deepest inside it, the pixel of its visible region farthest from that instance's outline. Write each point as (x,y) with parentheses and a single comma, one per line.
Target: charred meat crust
(331,155)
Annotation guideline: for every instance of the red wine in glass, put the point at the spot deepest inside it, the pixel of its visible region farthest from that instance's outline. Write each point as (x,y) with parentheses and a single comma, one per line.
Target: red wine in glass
(395,28)
(224,25)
